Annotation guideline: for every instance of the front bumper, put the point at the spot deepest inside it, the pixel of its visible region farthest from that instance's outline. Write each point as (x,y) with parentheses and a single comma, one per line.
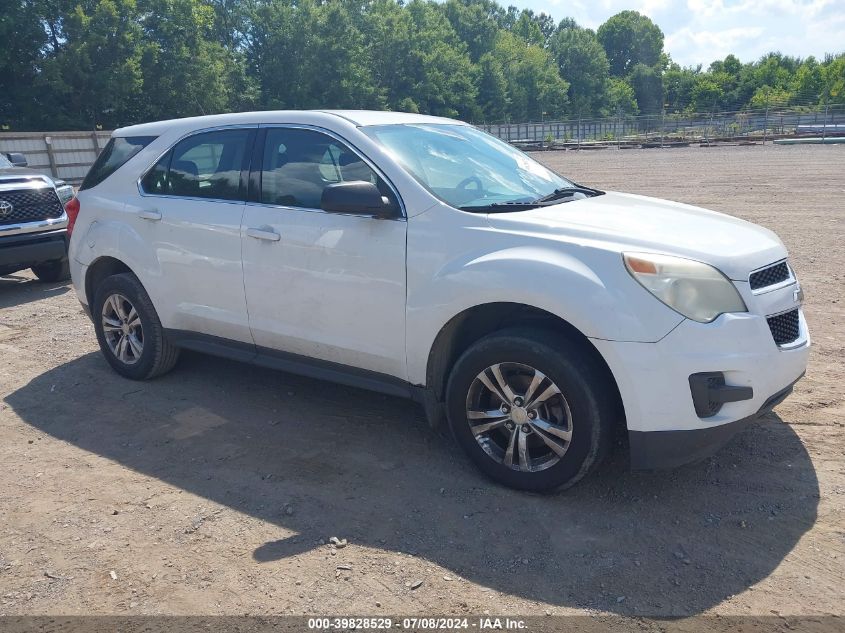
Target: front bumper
(653,380)
(668,449)
(29,249)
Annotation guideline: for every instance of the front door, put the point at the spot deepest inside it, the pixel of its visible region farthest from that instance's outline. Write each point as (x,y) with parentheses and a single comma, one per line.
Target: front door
(322,285)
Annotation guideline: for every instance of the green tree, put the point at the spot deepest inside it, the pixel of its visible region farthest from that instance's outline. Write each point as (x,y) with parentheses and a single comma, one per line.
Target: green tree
(23,38)
(621,98)
(436,73)
(730,65)
(678,85)
(807,83)
(493,98)
(582,62)
(707,92)
(534,28)
(647,83)
(833,79)
(630,38)
(767,96)
(388,34)
(93,74)
(535,88)
(186,72)
(346,82)
(476,23)
(83,63)
(528,28)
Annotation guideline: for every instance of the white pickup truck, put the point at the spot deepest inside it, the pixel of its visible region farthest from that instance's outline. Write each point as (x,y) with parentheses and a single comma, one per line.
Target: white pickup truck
(32,221)
(420,257)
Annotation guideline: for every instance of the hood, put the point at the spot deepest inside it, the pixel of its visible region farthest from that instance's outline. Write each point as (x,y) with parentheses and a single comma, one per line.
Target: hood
(20,172)
(634,223)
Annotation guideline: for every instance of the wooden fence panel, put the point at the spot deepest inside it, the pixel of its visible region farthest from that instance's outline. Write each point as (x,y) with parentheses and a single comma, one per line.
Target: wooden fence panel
(65,155)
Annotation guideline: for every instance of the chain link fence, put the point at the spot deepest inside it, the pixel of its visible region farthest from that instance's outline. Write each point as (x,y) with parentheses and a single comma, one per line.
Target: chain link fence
(68,155)
(669,129)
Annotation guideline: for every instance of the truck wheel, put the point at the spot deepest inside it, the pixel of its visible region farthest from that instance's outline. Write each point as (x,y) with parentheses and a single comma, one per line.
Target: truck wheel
(534,410)
(50,272)
(129,331)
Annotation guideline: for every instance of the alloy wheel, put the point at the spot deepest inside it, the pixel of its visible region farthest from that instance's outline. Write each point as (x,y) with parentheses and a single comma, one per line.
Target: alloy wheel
(519,417)
(122,329)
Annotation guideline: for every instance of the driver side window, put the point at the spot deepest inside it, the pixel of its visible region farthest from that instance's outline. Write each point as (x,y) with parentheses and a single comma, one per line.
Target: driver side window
(298,164)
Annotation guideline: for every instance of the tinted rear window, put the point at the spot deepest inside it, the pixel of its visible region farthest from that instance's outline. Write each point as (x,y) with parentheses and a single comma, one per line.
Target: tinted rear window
(118,150)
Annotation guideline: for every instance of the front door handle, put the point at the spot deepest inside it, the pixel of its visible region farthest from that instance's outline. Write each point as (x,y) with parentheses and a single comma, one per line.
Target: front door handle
(264,234)
(152,215)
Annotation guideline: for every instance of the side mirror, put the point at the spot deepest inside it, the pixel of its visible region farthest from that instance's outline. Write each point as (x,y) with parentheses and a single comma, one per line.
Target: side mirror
(356,196)
(17,160)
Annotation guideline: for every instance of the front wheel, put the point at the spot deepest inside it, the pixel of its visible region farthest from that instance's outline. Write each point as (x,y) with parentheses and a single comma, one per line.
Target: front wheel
(51,272)
(532,409)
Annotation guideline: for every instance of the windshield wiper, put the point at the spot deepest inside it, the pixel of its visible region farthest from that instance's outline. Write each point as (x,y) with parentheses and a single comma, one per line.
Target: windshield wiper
(547,200)
(501,207)
(567,191)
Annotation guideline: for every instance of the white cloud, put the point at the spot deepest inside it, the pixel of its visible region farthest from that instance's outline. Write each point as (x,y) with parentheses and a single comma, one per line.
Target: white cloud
(701,31)
(688,43)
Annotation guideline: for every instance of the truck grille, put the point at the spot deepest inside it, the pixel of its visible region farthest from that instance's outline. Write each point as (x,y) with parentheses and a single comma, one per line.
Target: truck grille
(29,205)
(784,327)
(769,276)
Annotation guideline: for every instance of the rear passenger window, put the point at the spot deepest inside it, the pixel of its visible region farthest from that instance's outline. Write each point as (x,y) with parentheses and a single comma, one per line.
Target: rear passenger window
(206,165)
(117,151)
(298,164)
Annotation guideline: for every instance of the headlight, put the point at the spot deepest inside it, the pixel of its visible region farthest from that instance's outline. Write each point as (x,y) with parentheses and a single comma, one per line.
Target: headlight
(65,193)
(696,290)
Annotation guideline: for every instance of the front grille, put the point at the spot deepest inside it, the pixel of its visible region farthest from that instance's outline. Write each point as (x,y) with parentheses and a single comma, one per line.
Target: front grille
(769,276)
(784,327)
(29,205)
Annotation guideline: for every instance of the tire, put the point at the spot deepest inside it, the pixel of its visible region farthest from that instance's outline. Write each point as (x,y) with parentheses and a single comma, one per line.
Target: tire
(582,406)
(156,355)
(51,272)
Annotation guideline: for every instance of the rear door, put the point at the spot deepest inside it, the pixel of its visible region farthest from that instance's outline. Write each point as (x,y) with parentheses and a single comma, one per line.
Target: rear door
(322,285)
(189,212)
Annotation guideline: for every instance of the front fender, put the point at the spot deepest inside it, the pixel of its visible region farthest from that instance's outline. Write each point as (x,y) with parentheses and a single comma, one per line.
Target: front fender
(590,289)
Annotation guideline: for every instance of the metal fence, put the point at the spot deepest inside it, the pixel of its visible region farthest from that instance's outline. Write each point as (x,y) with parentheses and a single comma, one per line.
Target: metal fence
(65,155)
(674,129)
(68,155)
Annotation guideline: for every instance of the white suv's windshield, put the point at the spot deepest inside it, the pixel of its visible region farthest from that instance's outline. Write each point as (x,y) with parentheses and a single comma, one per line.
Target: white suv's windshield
(465,167)
(4,162)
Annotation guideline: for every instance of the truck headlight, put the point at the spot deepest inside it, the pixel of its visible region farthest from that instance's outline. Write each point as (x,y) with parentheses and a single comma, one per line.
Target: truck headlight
(696,290)
(65,192)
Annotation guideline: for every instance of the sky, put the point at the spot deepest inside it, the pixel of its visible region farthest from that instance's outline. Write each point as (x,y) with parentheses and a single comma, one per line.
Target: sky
(701,31)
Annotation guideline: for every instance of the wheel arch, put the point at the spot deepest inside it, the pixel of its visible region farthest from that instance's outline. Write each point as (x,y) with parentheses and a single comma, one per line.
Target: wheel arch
(100,268)
(472,324)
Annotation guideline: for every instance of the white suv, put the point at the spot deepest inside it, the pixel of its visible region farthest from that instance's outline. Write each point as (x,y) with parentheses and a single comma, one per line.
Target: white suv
(418,256)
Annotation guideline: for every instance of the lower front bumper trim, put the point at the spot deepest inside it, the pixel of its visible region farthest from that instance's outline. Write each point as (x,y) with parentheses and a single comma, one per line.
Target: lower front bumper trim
(669,449)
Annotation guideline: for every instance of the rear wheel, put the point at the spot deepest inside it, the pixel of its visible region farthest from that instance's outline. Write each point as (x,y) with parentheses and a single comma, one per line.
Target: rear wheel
(129,331)
(532,409)
(50,272)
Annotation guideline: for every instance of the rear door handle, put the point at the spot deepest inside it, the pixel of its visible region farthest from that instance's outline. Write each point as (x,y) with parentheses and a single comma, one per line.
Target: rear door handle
(152,215)
(264,234)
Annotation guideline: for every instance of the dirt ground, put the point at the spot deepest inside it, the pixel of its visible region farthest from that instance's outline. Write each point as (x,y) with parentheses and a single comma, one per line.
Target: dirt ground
(216,489)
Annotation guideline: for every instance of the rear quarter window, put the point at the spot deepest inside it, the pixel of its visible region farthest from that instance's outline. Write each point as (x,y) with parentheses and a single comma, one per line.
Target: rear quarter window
(117,151)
